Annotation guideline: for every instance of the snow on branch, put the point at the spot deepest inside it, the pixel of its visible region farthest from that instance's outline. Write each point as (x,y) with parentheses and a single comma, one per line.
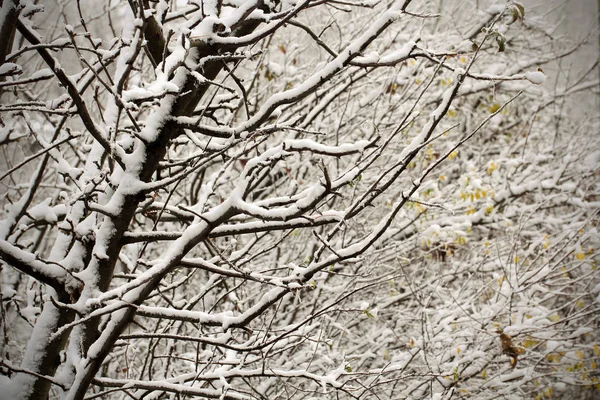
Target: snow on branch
(51,274)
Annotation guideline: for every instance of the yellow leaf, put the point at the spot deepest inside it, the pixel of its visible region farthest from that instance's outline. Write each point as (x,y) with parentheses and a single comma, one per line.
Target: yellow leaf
(530,343)
(494,107)
(443,178)
(580,256)
(453,155)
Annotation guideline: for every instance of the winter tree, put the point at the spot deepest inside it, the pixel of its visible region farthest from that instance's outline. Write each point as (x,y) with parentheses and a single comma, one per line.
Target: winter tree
(306,199)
